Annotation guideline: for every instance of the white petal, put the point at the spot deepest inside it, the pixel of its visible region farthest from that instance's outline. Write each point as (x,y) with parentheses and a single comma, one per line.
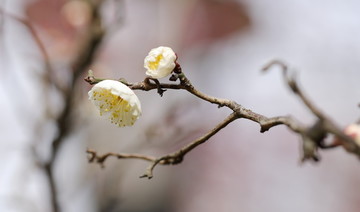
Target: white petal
(116,101)
(160,62)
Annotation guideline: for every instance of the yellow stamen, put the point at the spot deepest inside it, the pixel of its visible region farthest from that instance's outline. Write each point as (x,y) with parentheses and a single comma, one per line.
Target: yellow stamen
(153,65)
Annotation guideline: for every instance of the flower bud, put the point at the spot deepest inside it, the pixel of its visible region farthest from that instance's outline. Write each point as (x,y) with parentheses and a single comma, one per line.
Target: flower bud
(160,62)
(353,130)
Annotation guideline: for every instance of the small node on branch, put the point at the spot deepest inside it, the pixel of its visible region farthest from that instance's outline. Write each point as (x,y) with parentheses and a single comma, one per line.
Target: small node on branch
(177,69)
(313,138)
(317,132)
(310,150)
(149,170)
(91,155)
(91,78)
(174,77)
(94,158)
(160,90)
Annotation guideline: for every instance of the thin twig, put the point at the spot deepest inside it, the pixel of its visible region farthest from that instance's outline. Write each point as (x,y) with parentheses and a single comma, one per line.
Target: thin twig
(100,159)
(169,159)
(327,125)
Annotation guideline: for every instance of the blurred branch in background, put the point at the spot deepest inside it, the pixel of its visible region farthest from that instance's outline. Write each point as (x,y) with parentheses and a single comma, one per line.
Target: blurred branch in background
(92,37)
(48,67)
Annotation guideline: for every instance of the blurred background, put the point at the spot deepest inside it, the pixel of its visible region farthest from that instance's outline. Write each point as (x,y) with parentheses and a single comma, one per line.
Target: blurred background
(222,46)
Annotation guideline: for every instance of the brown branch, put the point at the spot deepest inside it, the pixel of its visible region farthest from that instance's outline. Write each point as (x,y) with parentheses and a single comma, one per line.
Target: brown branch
(178,156)
(324,125)
(238,112)
(312,136)
(293,85)
(94,157)
(265,122)
(170,159)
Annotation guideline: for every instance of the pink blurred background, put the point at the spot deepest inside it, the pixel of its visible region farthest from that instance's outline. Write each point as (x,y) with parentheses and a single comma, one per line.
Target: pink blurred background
(222,45)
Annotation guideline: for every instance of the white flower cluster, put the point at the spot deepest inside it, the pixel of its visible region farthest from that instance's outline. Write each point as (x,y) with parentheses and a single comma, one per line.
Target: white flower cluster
(118,102)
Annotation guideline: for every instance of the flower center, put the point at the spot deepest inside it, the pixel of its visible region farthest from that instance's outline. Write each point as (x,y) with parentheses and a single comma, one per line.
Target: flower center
(114,107)
(109,102)
(116,102)
(153,65)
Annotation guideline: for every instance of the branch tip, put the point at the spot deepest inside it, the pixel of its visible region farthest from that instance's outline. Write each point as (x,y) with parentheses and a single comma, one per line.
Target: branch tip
(272,63)
(90,73)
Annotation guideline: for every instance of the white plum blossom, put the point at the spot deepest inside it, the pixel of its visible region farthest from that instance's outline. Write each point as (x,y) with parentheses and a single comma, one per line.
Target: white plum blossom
(116,101)
(160,62)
